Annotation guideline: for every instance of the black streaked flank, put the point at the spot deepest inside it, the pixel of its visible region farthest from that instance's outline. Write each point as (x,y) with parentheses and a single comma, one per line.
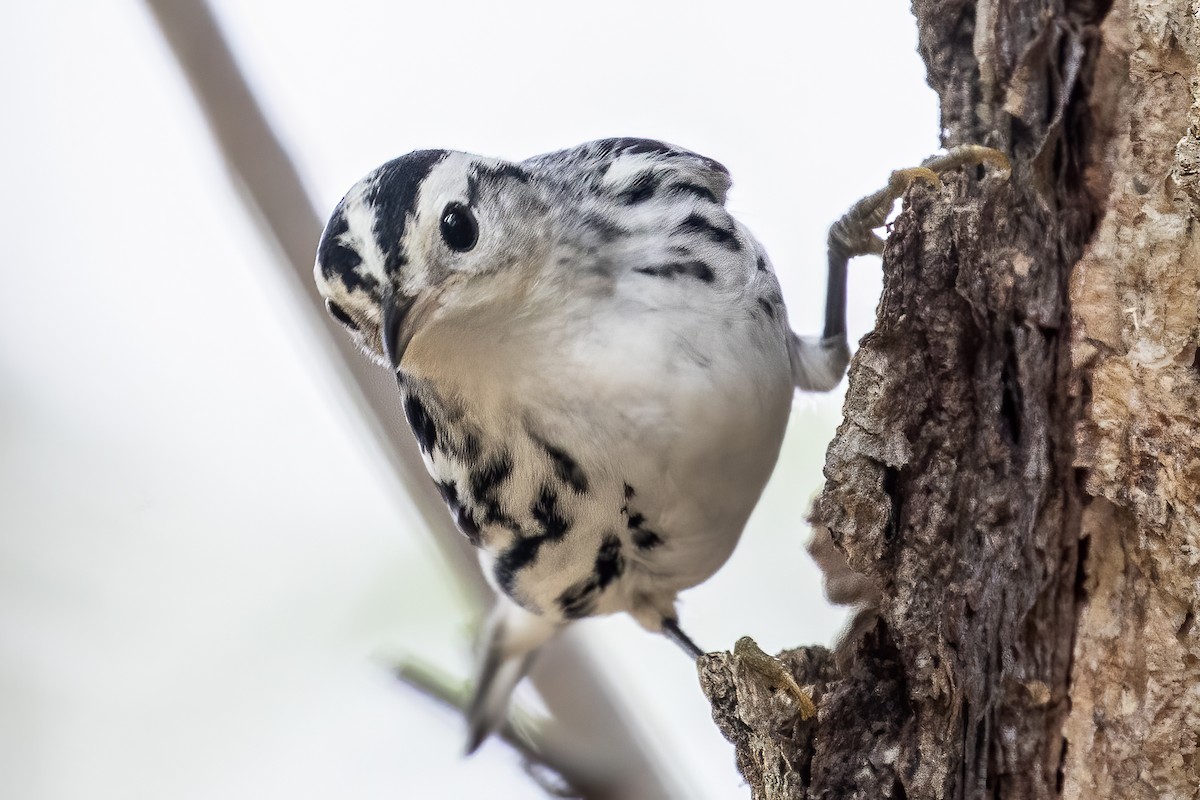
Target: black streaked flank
(393,195)
(462,515)
(646,539)
(767,307)
(692,269)
(697,224)
(468,525)
(449,493)
(548,515)
(629,493)
(762,263)
(610,563)
(524,550)
(565,467)
(520,555)
(485,481)
(643,538)
(422,424)
(487,478)
(579,599)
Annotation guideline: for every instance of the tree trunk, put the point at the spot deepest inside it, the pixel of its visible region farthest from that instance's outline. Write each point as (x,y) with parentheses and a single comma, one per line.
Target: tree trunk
(1016,483)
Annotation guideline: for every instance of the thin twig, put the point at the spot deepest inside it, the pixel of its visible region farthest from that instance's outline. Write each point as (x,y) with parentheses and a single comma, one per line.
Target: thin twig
(576,776)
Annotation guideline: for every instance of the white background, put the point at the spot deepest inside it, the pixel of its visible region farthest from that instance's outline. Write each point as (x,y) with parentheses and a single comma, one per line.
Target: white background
(203,570)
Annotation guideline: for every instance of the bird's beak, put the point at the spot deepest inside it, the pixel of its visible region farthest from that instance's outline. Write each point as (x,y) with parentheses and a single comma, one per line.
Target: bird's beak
(393,330)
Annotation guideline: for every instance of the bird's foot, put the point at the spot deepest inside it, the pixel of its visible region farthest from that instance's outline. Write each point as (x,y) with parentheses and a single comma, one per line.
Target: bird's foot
(747,654)
(854,235)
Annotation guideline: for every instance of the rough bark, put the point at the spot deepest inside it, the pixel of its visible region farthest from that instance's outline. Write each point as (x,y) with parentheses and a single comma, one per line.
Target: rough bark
(1135,295)
(1015,482)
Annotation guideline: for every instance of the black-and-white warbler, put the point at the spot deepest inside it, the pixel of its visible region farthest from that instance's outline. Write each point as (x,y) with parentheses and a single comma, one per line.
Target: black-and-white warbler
(595,359)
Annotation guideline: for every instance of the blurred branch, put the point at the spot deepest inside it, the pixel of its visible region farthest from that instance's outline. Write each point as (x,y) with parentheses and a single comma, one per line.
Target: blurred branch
(276,196)
(572,688)
(578,777)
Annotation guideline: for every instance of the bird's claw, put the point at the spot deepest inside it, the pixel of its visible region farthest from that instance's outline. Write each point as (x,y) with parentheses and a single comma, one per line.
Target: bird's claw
(965,155)
(747,653)
(853,234)
(901,179)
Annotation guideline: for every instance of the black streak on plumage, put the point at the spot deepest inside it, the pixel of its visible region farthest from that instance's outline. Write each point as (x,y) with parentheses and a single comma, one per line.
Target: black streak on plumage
(566,468)
(633,146)
(767,307)
(338,260)
(640,190)
(486,479)
(484,482)
(339,313)
(643,538)
(393,195)
(548,515)
(506,170)
(697,224)
(605,228)
(580,598)
(703,192)
(524,550)
(692,269)
(762,263)
(610,563)
(467,524)
(493,173)
(462,515)
(468,448)
(422,424)
(518,556)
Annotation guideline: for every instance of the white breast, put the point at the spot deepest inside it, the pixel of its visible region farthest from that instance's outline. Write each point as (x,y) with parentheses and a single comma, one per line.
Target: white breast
(671,398)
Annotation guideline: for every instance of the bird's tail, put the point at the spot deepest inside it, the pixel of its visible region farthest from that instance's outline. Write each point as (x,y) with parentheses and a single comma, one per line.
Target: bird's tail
(510,640)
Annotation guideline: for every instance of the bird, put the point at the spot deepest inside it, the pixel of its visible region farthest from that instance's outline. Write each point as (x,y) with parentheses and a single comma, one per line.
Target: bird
(595,360)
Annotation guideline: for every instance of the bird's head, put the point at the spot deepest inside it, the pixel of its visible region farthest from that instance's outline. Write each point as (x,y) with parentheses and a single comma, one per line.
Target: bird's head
(429,234)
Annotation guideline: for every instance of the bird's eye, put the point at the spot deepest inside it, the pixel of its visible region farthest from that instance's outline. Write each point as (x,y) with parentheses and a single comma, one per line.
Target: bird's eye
(459,229)
(339,313)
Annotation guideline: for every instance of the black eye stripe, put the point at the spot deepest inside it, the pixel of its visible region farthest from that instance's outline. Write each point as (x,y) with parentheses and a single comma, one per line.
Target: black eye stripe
(459,229)
(339,313)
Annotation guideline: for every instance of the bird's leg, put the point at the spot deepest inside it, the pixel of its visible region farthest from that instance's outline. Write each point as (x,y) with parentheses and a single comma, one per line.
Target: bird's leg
(853,234)
(818,364)
(670,629)
(748,654)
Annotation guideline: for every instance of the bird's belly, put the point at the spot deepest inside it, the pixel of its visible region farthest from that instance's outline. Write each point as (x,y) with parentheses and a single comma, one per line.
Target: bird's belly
(663,509)
(610,490)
